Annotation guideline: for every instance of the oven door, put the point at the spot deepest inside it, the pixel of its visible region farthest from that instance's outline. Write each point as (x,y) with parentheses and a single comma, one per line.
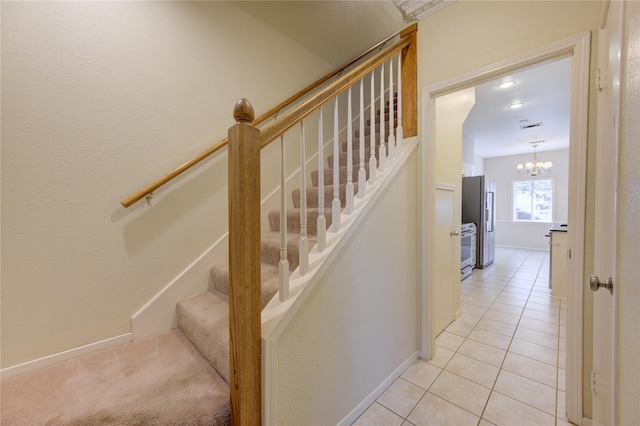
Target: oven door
(465,251)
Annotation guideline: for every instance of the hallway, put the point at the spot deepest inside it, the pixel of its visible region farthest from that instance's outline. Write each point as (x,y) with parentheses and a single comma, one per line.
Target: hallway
(502,362)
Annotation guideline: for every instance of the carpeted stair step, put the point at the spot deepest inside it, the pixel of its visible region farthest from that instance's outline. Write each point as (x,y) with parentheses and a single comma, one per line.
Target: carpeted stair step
(367,143)
(270,248)
(328,175)
(158,380)
(268,273)
(386,119)
(312,195)
(204,319)
(367,129)
(293,220)
(355,158)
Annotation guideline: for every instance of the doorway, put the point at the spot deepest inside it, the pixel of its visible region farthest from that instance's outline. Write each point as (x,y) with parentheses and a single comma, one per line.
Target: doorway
(577,48)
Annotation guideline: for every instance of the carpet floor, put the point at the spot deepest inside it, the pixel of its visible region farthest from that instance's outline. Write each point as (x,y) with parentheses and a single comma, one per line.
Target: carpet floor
(162,380)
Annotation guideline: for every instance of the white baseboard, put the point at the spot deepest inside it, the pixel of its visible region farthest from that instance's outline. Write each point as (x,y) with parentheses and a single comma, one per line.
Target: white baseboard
(586,422)
(379,390)
(67,355)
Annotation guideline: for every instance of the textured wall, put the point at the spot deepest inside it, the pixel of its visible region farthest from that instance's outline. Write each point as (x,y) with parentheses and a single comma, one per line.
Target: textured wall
(628,286)
(100,98)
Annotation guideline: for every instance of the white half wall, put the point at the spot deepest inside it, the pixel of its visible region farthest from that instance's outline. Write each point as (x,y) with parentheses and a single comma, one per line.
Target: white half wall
(360,322)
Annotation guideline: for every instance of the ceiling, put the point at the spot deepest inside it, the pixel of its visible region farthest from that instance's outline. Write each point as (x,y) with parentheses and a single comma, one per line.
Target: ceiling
(545,91)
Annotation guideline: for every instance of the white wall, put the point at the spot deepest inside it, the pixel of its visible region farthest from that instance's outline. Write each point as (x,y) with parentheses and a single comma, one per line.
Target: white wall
(361,320)
(627,287)
(101,98)
(527,234)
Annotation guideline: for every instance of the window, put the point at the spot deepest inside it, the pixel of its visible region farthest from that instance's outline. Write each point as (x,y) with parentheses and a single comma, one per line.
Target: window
(533,201)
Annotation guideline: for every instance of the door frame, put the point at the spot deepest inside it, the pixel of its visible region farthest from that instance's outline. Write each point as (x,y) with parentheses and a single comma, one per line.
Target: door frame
(578,48)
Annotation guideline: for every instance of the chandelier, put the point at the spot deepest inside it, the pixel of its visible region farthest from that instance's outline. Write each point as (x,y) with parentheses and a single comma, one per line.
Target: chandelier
(534,166)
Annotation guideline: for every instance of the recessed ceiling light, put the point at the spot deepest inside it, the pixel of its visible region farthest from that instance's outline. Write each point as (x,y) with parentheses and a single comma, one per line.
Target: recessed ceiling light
(506,84)
(516,105)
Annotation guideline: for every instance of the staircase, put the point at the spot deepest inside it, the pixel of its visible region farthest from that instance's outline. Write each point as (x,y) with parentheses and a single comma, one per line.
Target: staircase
(204,318)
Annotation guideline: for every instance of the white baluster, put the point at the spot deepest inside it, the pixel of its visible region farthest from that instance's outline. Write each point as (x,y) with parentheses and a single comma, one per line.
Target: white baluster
(349,193)
(322,221)
(373,163)
(392,138)
(362,173)
(399,130)
(283,266)
(304,241)
(335,205)
(383,150)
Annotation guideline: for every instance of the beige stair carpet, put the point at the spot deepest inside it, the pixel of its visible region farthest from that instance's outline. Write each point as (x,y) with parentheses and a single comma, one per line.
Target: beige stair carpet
(161,380)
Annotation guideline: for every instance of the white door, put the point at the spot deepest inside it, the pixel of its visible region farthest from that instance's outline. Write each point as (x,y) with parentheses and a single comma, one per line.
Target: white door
(602,379)
(447,262)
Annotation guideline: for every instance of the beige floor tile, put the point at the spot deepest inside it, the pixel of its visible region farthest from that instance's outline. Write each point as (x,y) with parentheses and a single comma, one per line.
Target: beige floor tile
(467,318)
(483,422)
(541,316)
(421,373)
(477,371)
(407,423)
(504,411)
(472,309)
(511,301)
(491,338)
(461,392)
(497,326)
(527,391)
(531,350)
(482,352)
(401,397)
(537,337)
(442,357)
(531,369)
(515,293)
(460,328)
(542,307)
(509,309)
(548,300)
(477,301)
(509,289)
(542,326)
(377,415)
(502,317)
(449,340)
(435,411)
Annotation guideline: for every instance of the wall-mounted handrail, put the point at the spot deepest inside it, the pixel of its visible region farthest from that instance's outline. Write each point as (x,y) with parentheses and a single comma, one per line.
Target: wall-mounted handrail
(138,195)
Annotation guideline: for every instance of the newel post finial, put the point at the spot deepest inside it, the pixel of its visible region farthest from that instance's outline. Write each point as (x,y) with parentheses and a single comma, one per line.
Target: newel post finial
(243,111)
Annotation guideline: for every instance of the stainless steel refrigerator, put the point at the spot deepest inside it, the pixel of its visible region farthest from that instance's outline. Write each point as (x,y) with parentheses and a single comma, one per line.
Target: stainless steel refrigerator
(479,206)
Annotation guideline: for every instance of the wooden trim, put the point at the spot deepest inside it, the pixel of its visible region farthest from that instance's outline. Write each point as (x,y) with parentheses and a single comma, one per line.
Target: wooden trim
(276,128)
(245,326)
(410,86)
(127,202)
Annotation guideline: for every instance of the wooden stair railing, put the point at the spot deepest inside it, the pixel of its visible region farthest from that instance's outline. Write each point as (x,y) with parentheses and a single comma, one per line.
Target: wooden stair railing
(245,142)
(148,190)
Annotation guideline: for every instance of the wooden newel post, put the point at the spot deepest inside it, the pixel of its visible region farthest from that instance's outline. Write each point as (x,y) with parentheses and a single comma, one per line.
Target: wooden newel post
(244,268)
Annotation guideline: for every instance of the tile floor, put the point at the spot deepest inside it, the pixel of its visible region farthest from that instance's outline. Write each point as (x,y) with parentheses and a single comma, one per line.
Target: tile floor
(502,362)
